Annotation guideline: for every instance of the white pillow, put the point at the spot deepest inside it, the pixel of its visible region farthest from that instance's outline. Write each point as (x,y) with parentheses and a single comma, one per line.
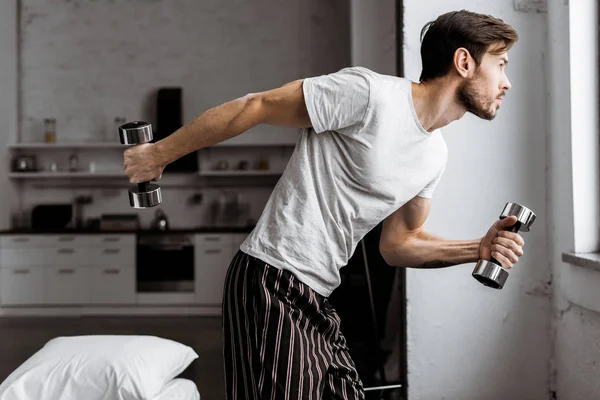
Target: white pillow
(179,389)
(98,367)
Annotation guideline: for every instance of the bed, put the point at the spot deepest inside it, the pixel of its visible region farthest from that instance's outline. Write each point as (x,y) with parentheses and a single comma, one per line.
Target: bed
(104,367)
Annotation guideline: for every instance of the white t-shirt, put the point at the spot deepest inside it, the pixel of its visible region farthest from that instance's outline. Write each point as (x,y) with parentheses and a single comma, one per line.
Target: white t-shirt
(364,157)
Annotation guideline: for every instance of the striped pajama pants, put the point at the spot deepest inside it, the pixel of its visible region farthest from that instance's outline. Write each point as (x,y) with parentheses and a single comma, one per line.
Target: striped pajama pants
(281,339)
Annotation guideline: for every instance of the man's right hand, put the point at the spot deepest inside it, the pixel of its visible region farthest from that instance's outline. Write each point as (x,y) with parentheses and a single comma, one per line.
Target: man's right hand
(143,163)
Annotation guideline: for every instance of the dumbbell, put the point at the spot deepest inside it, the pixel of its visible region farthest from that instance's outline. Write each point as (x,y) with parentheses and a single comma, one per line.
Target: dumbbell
(490,272)
(145,194)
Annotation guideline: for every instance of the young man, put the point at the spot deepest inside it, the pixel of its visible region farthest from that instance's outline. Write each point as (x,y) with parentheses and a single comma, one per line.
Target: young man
(370,150)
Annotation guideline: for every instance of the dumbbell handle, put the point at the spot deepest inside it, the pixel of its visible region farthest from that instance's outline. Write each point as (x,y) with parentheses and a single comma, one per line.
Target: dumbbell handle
(143,187)
(513,228)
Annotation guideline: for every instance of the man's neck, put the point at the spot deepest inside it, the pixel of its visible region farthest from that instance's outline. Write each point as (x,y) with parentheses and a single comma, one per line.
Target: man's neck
(435,103)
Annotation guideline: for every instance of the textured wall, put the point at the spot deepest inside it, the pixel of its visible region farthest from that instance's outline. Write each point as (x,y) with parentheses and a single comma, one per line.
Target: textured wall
(467,341)
(85,62)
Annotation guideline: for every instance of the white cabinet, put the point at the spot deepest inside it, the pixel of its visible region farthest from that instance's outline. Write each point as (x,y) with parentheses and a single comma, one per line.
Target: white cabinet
(21,285)
(238,239)
(67,269)
(213,254)
(112,269)
(65,285)
(112,285)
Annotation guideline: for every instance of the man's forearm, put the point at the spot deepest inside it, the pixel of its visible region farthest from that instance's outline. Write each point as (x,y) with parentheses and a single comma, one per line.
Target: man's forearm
(213,126)
(428,251)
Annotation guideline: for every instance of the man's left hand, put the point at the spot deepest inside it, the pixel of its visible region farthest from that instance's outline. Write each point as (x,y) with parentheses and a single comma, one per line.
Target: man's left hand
(506,247)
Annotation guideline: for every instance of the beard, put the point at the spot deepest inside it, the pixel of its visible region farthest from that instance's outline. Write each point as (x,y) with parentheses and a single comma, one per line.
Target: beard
(474,102)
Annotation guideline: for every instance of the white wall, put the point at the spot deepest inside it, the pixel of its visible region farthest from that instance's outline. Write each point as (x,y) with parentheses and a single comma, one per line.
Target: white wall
(573,200)
(373,35)
(467,341)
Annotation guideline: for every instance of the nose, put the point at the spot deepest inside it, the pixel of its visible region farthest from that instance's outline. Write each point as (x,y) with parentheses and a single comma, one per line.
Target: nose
(506,84)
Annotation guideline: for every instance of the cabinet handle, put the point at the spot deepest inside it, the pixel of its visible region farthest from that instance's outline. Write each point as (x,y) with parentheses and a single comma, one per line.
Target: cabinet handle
(20,240)
(111,271)
(21,271)
(215,251)
(66,239)
(111,239)
(112,251)
(66,271)
(66,251)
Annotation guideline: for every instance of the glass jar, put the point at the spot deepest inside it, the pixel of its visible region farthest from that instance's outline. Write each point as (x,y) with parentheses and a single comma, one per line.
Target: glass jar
(50,130)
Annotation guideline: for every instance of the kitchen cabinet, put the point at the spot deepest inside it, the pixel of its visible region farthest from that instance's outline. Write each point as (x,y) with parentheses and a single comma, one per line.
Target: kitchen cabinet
(213,253)
(112,269)
(112,285)
(21,285)
(66,285)
(67,269)
(213,256)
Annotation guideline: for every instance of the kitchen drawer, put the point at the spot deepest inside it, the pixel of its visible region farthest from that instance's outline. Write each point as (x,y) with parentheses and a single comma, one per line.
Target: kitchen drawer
(38,241)
(112,240)
(23,257)
(21,286)
(216,239)
(66,255)
(22,241)
(112,255)
(66,285)
(112,285)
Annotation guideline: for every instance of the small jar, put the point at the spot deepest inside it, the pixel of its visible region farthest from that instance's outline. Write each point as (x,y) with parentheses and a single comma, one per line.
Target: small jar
(50,130)
(73,163)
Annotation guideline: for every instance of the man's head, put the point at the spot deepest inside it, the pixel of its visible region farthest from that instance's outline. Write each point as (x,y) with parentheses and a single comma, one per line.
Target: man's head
(473,48)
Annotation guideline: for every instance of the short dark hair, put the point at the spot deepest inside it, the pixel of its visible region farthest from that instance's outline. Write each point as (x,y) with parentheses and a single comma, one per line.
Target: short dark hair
(475,32)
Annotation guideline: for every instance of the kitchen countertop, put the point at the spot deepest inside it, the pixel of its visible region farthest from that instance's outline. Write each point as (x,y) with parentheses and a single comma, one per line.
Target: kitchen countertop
(87,231)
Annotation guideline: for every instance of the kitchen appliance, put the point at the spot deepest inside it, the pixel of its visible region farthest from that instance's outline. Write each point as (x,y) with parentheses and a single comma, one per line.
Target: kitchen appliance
(24,163)
(165,263)
(51,216)
(119,222)
(169,118)
(160,221)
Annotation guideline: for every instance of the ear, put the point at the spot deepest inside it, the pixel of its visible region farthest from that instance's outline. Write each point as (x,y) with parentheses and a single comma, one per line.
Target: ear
(464,63)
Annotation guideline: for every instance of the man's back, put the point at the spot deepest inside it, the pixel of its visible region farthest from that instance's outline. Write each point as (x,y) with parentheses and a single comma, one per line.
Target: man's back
(364,157)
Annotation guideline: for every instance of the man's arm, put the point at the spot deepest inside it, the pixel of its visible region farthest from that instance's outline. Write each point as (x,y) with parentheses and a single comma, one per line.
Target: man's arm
(403,242)
(283,106)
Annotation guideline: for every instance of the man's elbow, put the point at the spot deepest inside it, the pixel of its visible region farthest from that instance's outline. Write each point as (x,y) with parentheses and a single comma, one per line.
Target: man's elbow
(396,253)
(389,252)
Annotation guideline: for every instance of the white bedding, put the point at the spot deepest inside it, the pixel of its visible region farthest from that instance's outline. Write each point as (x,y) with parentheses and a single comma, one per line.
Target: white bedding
(179,389)
(102,367)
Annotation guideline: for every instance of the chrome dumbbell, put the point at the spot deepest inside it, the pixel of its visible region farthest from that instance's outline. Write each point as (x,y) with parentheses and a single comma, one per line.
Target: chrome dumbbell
(490,272)
(145,194)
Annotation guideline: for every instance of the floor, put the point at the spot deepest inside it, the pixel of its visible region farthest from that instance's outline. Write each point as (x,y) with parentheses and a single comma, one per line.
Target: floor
(22,337)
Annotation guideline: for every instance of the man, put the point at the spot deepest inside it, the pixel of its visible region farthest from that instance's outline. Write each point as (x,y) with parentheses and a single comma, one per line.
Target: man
(370,150)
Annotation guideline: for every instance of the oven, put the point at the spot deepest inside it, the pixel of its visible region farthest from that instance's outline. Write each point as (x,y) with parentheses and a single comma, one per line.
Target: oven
(165,263)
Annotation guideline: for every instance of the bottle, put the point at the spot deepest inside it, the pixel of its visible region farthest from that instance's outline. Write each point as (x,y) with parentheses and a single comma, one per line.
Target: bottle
(50,130)
(73,163)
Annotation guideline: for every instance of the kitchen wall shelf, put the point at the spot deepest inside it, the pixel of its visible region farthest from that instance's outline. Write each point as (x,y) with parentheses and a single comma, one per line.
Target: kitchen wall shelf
(65,145)
(239,173)
(61,175)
